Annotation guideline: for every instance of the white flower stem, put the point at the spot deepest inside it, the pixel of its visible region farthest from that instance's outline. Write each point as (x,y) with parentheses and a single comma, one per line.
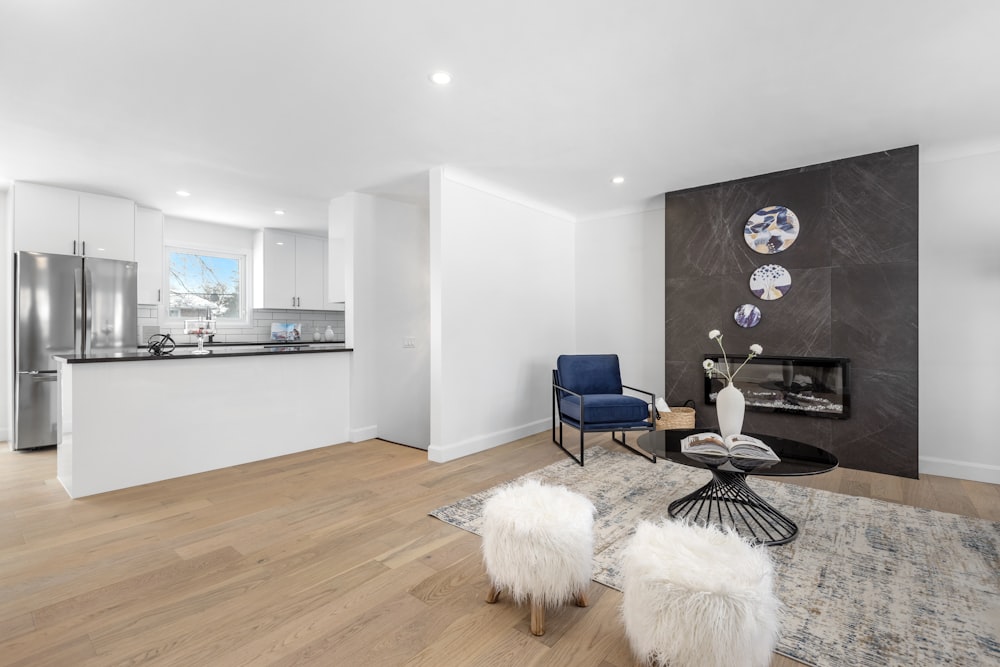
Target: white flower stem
(725,358)
(729,374)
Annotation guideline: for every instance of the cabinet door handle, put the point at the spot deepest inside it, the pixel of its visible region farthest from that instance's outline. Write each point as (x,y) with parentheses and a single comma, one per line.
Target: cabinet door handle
(74,247)
(83,246)
(157,296)
(293,302)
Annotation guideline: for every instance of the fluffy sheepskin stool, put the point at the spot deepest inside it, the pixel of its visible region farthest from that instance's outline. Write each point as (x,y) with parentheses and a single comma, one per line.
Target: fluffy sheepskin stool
(538,543)
(699,597)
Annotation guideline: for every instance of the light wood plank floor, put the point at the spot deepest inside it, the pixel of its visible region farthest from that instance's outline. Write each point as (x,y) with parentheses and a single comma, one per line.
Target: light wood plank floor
(326,557)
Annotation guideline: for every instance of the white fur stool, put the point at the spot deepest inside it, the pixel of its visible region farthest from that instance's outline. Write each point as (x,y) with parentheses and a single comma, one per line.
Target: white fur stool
(699,597)
(538,543)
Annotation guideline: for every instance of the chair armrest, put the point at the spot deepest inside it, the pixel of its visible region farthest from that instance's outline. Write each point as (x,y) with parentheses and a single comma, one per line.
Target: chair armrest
(568,391)
(652,398)
(555,402)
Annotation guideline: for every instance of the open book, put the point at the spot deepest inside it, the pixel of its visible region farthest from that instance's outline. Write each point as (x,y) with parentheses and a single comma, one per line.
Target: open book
(737,446)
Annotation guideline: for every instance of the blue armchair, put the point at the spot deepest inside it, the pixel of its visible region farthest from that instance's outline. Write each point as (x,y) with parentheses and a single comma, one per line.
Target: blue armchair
(587,394)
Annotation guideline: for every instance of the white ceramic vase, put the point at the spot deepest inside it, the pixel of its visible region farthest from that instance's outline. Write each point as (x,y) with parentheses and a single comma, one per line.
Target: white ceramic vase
(729,407)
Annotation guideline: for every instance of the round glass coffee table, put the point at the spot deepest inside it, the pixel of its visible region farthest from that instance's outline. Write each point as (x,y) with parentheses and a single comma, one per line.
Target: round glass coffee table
(727,499)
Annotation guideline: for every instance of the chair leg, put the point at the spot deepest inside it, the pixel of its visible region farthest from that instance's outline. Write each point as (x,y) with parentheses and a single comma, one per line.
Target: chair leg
(641,452)
(581,599)
(559,443)
(537,618)
(494,594)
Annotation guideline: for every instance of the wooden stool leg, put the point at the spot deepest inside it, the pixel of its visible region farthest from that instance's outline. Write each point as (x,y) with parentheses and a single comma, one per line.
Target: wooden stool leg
(581,599)
(494,594)
(537,618)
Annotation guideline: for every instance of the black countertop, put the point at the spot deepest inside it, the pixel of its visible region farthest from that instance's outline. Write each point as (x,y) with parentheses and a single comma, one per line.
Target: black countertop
(217,350)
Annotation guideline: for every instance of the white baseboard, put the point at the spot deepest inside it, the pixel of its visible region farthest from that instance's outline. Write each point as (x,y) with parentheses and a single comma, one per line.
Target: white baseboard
(363,433)
(480,443)
(975,472)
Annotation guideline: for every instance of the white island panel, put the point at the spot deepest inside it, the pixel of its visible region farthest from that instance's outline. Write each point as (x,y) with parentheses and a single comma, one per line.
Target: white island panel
(131,423)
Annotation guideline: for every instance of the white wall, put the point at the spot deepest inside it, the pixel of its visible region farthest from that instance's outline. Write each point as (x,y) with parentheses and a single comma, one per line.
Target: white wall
(959,317)
(502,310)
(385,264)
(620,294)
(402,284)
(352,218)
(207,236)
(6,349)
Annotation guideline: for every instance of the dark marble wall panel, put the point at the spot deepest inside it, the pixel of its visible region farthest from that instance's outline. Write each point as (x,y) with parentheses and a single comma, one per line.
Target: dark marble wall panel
(694,308)
(874,208)
(708,239)
(875,314)
(799,322)
(884,438)
(854,294)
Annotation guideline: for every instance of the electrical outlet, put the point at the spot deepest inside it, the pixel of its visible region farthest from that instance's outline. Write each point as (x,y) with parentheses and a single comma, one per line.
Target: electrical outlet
(409,341)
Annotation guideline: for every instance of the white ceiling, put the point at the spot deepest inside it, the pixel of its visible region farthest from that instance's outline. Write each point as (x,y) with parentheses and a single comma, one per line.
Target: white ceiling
(254,105)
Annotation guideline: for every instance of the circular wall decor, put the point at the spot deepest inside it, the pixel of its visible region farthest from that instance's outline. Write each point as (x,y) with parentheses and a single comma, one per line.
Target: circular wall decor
(770,282)
(771,229)
(747,315)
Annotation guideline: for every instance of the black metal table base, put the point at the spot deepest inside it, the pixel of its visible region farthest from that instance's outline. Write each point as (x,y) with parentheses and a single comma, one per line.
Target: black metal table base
(727,500)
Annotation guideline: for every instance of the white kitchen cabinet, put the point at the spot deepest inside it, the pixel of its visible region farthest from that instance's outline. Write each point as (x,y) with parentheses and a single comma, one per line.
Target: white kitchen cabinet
(107,227)
(46,219)
(149,254)
(310,272)
(67,222)
(289,271)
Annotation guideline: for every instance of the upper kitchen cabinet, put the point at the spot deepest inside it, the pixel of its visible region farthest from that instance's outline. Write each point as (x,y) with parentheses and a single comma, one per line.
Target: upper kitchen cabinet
(67,222)
(107,227)
(149,254)
(289,271)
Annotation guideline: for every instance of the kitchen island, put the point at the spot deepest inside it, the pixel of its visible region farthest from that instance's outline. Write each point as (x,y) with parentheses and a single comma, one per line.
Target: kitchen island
(131,418)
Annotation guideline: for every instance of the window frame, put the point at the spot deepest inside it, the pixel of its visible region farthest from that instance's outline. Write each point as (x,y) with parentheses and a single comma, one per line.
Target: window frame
(242,256)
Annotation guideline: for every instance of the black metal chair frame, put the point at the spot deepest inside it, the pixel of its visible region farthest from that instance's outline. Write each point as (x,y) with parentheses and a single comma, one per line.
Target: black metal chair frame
(558,416)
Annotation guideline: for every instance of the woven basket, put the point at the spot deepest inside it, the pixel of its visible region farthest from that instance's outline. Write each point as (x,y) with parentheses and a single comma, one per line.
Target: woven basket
(682,417)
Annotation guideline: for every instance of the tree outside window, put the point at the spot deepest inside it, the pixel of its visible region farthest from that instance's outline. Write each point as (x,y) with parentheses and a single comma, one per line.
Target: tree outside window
(201,283)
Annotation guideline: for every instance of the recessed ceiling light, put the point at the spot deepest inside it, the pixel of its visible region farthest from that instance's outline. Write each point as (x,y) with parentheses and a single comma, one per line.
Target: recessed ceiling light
(618,180)
(183,193)
(441,78)
(280,243)
(279,212)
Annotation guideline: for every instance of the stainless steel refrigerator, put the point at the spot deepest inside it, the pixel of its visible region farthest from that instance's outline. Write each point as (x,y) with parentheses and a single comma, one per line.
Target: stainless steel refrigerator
(63,304)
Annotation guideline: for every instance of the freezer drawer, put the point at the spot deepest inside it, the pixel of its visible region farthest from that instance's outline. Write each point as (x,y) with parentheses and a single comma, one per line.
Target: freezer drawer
(36,409)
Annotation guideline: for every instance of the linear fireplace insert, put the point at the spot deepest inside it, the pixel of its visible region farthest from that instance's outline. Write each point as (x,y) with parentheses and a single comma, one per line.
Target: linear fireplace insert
(809,386)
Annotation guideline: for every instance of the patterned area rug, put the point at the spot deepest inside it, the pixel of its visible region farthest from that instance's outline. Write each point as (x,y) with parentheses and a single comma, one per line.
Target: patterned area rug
(865,583)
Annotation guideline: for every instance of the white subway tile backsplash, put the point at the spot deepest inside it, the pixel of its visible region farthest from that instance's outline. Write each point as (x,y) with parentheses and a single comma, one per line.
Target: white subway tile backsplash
(258,330)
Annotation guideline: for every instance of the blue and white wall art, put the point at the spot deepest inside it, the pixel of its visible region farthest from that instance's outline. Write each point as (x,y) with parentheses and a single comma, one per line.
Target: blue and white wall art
(770,282)
(747,315)
(772,229)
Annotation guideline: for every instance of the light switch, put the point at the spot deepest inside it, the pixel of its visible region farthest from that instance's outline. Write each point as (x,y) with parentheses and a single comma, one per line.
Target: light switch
(409,341)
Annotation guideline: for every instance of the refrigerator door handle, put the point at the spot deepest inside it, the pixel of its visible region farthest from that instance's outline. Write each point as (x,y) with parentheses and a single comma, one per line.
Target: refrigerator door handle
(41,375)
(85,310)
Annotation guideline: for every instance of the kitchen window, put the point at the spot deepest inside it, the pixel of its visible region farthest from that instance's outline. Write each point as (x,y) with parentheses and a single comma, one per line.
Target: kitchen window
(201,282)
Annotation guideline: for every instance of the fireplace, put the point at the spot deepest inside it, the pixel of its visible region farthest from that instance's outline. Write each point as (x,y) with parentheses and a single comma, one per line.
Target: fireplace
(807,386)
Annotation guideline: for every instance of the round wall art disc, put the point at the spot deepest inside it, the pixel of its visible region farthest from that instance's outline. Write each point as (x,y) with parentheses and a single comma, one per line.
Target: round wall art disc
(771,229)
(747,315)
(770,282)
